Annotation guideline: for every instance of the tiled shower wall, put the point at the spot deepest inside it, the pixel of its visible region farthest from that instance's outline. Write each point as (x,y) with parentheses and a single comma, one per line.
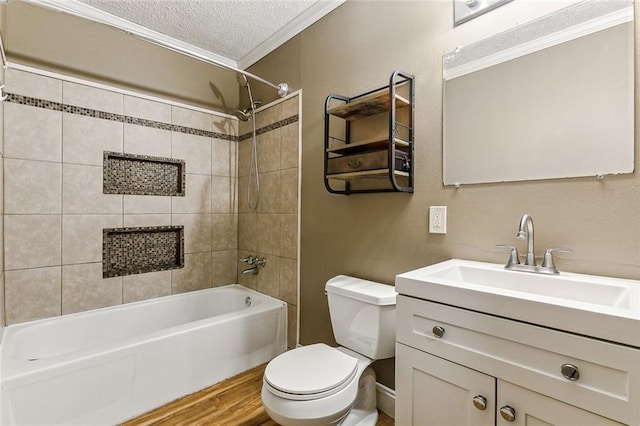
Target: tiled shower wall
(271,231)
(55,133)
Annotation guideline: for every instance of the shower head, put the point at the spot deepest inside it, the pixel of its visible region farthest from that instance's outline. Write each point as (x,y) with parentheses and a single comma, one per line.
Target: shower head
(243,114)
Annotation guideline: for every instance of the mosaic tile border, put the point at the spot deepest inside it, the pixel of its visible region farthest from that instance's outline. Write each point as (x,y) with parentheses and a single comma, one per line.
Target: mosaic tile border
(87,112)
(133,174)
(270,127)
(137,250)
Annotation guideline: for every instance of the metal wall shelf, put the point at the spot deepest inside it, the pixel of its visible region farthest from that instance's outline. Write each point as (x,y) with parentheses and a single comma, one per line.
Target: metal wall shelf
(388,163)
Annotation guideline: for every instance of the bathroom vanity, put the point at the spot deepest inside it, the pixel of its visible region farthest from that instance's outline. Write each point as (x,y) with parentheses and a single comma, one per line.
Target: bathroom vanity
(481,345)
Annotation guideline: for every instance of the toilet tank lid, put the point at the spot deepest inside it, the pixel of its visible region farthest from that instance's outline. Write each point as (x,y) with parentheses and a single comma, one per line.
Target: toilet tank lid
(363,290)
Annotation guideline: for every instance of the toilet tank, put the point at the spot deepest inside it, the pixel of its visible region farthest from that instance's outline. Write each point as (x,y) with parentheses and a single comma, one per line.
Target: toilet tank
(363,315)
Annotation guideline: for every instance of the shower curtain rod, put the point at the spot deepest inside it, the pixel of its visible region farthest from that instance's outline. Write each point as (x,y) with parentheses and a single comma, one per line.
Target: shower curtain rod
(82,10)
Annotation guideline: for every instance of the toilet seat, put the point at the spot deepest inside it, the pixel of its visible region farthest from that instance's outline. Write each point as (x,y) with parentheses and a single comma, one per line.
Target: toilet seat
(310,372)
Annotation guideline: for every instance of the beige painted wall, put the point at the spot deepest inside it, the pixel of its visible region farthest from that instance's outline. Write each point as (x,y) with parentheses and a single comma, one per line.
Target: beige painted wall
(63,43)
(377,236)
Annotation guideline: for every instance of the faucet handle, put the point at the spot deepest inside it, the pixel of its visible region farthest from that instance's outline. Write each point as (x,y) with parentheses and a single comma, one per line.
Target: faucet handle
(514,257)
(547,262)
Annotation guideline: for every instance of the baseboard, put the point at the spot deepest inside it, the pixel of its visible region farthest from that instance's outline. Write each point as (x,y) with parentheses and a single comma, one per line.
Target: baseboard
(386,400)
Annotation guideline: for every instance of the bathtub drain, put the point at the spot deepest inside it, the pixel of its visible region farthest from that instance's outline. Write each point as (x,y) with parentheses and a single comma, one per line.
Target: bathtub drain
(247,301)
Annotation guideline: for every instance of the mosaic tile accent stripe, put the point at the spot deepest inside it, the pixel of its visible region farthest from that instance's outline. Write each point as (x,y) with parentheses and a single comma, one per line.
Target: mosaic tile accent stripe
(87,112)
(128,251)
(270,127)
(143,175)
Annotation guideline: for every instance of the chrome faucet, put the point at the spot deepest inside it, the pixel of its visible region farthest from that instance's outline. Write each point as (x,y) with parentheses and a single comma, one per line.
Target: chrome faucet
(525,231)
(254,261)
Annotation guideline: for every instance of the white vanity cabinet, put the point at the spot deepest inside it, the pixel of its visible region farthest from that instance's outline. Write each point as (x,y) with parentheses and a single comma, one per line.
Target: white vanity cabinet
(460,367)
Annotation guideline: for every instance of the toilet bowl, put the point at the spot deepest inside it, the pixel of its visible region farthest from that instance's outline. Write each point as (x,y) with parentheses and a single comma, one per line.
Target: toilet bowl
(321,385)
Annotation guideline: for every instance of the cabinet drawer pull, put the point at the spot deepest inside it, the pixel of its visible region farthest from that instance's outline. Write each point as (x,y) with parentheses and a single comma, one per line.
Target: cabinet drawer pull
(354,164)
(480,402)
(570,372)
(508,413)
(438,331)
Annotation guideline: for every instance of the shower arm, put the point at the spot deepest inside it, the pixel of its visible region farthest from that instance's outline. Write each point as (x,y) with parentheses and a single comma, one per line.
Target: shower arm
(82,10)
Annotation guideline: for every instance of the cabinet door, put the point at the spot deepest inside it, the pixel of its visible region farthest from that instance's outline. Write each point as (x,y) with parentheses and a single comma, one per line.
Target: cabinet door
(534,409)
(434,391)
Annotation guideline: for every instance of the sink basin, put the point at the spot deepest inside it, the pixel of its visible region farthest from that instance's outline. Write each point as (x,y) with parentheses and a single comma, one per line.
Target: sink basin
(602,307)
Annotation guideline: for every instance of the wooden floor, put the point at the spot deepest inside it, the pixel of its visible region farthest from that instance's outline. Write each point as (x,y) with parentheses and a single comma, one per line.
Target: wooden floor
(234,402)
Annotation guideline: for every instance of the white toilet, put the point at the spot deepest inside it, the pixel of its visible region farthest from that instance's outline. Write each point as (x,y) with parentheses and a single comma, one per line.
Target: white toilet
(321,385)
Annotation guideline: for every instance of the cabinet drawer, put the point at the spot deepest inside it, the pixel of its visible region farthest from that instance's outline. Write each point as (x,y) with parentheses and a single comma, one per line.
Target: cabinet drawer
(528,355)
(366,161)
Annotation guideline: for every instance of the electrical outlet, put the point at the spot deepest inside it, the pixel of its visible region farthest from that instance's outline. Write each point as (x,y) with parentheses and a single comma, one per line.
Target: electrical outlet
(438,219)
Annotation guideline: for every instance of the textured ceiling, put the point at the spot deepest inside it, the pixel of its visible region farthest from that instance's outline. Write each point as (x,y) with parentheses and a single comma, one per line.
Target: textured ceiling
(228,28)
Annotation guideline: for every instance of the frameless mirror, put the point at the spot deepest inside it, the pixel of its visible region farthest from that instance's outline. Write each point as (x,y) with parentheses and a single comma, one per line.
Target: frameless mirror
(549,99)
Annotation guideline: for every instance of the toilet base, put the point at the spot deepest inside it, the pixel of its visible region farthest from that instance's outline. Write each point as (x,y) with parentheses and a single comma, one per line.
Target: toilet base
(364,411)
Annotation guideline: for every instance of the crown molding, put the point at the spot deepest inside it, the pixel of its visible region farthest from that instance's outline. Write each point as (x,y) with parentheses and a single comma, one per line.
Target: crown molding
(82,10)
(304,20)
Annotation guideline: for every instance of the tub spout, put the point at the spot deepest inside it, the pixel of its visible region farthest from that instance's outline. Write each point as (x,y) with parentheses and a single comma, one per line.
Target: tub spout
(250,271)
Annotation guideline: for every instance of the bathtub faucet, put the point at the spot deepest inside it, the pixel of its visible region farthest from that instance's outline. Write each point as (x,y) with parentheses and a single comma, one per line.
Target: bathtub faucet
(251,271)
(254,260)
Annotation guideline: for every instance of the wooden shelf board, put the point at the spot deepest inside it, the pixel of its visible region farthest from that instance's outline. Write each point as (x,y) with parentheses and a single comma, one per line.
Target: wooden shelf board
(366,145)
(367,106)
(366,174)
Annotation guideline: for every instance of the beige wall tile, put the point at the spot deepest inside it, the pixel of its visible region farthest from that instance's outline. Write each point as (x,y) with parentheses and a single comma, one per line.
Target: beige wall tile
(223,193)
(82,236)
(289,235)
(32,241)
(244,127)
(197,197)
(197,231)
(196,274)
(225,269)
(247,232)
(147,204)
(243,206)
(141,220)
(290,107)
(268,233)
(92,97)
(289,280)
(32,187)
(32,133)
(223,157)
(146,286)
(224,232)
(147,109)
(289,185)
(194,150)
(270,194)
(224,125)
(269,151)
(269,276)
(32,294)
(83,288)
(86,138)
(147,141)
(244,157)
(190,118)
(33,85)
(82,188)
(269,116)
(289,146)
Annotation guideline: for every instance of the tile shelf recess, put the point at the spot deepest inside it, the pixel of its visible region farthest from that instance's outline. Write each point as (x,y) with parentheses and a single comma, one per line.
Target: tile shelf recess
(131,174)
(136,250)
(381,163)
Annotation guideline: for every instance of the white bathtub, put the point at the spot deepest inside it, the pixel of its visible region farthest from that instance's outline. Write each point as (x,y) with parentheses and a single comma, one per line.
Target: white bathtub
(109,365)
